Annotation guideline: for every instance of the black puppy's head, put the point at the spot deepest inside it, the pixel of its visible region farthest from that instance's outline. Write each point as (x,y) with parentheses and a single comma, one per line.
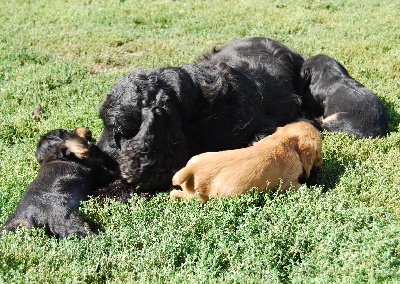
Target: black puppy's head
(142,127)
(317,75)
(62,143)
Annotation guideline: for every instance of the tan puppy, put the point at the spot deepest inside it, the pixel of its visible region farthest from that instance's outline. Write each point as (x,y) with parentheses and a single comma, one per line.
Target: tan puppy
(278,159)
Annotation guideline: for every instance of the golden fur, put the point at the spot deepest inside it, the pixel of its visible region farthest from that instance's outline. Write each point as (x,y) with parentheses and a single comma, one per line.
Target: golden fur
(78,147)
(277,160)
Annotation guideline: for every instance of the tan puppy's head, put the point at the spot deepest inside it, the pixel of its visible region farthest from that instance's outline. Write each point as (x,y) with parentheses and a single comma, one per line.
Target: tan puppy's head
(306,139)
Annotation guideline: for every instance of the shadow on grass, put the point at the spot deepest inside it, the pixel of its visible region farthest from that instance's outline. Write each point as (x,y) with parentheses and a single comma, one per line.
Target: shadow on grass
(394,116)
(331,171)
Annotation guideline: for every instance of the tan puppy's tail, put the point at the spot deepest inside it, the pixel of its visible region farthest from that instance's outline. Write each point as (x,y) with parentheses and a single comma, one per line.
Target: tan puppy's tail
(182,176)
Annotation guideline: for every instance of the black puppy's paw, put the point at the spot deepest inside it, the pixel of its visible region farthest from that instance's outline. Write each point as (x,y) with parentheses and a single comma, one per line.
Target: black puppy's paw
(73,225)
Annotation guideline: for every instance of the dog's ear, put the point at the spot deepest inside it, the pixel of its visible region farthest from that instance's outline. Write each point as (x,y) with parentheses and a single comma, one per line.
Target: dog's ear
(307,153)
(54,152)
(50,149)
(158,150)
(304,80)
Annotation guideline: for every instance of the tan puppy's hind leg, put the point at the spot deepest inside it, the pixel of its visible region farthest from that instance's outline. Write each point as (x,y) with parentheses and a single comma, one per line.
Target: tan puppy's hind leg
(175,193)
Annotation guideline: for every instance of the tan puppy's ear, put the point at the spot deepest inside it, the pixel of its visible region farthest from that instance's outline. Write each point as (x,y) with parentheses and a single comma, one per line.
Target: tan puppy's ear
(307,151)
(75,146)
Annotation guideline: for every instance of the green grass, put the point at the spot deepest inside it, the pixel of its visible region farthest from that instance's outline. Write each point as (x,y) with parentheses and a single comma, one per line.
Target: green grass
(65,55)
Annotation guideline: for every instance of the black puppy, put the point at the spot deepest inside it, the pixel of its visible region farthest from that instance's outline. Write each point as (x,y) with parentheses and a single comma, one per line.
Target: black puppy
(155,120)
(70,168)
(342,103)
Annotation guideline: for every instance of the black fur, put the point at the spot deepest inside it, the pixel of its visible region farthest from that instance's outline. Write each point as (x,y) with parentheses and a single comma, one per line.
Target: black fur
(155,120)
(330,90)
(65,179)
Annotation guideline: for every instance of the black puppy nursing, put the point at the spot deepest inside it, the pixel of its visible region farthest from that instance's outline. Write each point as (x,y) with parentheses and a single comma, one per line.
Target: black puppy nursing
(71,168)
(342,103)
(155,120)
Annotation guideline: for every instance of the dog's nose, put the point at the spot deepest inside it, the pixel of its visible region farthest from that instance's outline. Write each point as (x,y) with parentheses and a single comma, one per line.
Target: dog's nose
(107,144)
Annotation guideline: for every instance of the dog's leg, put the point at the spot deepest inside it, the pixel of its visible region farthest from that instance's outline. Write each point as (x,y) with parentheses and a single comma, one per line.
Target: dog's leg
(188,194)
(175,193)
(292,179)
(344,122)
(11,225)
(202,197)
(286,185)
(65,227)
(330,118)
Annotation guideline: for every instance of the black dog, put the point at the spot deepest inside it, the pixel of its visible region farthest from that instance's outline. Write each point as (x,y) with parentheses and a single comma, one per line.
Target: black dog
(70,169)
(155,120)
(282,64)
(343,103)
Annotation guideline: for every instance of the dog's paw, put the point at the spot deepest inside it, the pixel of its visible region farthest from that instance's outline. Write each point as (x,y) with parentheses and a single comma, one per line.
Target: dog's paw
(175,193)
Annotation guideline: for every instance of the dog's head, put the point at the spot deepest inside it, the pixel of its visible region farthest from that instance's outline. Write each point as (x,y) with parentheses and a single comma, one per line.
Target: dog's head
(63,144)
(318,74)
(142,127)
(307,141)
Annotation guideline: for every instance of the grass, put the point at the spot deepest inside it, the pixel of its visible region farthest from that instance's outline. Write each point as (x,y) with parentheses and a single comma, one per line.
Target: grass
(65,55)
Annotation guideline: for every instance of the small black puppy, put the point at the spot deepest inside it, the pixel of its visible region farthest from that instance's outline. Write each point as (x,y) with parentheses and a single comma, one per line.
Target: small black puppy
(339,101)
(70,168)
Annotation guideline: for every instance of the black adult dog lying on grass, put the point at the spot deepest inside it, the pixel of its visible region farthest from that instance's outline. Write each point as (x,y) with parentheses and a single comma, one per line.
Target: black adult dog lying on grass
(70,168)
(155,120)
(342,103)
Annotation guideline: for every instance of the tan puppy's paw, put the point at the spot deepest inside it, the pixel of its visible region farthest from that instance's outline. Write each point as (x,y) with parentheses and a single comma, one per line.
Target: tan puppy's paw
(176,194)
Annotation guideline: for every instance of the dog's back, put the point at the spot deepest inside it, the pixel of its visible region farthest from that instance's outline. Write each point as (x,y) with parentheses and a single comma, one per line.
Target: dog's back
(254,52)
(345,104)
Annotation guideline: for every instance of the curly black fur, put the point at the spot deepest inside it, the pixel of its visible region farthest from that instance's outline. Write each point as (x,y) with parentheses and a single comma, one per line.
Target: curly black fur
(155,120)
(71,168)
(338,101)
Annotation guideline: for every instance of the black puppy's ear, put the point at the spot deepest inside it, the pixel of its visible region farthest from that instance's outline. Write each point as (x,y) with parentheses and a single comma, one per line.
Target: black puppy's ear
(46,145)
(55,152)
(305,80)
